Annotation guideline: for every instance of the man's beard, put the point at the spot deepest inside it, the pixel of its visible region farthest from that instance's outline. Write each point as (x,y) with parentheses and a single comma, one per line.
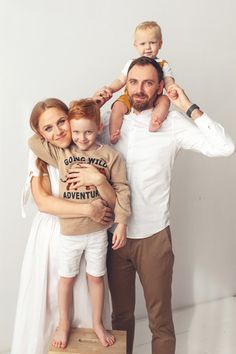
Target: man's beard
(141,105)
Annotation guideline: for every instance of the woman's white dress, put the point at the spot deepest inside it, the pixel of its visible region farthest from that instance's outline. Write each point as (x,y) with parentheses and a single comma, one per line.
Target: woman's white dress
(37,311)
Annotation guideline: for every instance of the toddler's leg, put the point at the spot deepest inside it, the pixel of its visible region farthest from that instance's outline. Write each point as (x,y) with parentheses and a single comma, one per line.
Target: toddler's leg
(118,111)
(96,288)
(159,113)
(65,298)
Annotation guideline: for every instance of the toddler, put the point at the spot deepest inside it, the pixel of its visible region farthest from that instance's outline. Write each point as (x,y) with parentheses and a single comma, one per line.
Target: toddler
(148,42)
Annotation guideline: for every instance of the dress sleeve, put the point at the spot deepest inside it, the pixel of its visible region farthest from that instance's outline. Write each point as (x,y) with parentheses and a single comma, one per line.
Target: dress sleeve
(31,172)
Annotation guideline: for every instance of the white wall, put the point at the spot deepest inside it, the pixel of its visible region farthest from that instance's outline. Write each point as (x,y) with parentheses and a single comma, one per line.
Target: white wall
(68,49)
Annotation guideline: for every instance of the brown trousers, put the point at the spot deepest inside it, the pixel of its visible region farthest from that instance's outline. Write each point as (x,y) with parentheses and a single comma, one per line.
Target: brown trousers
(152,258)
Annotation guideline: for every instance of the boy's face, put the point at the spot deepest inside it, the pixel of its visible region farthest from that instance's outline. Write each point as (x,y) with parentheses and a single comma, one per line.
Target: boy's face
(84,133)
(147,43)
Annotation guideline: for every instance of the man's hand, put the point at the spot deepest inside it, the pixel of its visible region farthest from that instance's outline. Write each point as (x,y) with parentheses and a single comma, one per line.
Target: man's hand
(119,237)
(178,97)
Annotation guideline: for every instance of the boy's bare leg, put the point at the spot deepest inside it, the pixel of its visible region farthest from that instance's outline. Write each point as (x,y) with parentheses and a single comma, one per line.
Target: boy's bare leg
(159,113)
(96,288)
(118,111)
(65,298)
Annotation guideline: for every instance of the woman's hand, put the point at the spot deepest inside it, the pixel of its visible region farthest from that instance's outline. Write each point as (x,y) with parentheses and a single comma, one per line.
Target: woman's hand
(119,237)
(101,212)
(84,175)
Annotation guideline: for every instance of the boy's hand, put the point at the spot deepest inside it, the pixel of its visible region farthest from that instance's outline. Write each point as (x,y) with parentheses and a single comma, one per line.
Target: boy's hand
(119,237)
(84,175)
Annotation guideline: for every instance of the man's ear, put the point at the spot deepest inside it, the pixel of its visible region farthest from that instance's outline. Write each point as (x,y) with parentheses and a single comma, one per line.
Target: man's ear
(160,88)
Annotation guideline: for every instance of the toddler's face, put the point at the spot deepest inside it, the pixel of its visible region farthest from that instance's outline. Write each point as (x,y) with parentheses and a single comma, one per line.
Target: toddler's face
(147,43)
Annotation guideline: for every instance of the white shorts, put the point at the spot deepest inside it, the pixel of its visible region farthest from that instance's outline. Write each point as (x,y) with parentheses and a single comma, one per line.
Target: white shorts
(71,248)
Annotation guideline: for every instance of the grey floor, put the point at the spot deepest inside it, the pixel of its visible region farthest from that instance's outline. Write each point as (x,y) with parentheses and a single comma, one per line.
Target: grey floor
(208,328)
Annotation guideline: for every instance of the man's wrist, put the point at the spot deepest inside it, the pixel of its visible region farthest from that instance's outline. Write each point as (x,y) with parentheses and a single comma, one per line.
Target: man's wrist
(190,110)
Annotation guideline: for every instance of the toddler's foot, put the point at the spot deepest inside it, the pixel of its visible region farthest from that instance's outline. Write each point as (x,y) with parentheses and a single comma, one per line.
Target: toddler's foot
(104,336)
(114,137)
(155,125)
(61,335)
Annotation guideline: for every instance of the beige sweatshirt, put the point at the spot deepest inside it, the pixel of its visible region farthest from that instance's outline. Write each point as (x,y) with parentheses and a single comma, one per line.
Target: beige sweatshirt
(106,160)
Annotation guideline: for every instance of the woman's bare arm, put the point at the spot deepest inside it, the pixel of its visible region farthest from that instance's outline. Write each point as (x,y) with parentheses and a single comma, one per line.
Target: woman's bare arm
(47,203)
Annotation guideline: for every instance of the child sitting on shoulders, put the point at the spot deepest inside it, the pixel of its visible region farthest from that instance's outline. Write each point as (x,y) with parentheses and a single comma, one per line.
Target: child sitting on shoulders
(148,42)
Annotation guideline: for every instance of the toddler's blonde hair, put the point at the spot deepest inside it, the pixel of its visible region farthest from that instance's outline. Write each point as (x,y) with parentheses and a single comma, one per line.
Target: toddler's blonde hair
(149,25)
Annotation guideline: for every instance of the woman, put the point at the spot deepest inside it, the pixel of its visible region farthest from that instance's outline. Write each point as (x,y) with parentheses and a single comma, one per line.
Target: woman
(37,313)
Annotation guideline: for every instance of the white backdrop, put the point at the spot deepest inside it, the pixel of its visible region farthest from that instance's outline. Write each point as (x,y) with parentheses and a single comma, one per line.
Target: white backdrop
(68,49)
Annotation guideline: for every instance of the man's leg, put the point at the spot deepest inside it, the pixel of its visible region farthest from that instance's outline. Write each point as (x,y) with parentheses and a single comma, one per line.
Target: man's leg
(154,263)
(121,277)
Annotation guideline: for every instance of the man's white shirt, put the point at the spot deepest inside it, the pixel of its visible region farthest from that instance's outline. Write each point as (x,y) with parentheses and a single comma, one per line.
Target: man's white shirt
(150,158)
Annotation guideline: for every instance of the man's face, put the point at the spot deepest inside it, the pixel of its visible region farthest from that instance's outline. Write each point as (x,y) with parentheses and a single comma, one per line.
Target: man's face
(143,87)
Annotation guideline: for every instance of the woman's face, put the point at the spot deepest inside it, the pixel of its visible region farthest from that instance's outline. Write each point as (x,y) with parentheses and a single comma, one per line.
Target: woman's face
(55,128)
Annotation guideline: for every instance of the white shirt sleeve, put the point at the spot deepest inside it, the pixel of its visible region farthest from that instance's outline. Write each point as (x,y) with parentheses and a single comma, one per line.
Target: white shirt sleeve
(202,135)
(126,67)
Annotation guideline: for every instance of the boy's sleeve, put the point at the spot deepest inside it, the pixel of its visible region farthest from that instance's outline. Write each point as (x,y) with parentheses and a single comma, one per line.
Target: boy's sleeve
(44,150)
(119,182)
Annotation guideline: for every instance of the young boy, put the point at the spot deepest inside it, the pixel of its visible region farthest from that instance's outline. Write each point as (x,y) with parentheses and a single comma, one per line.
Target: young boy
(80,235)
(148,42)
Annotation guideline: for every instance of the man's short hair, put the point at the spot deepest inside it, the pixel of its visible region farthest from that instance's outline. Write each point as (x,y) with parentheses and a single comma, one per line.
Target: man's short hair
(143,61)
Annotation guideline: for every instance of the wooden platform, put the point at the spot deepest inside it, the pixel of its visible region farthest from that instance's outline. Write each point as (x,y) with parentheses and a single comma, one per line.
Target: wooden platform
(84,341)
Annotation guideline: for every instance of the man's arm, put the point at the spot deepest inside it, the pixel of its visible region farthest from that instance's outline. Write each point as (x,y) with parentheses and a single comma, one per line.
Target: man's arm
(205,135)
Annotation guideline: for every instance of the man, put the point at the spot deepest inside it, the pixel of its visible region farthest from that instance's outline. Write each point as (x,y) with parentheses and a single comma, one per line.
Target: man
(149,159)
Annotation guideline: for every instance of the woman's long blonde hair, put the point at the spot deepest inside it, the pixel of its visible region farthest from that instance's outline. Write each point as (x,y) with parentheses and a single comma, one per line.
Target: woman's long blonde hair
(38,109)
